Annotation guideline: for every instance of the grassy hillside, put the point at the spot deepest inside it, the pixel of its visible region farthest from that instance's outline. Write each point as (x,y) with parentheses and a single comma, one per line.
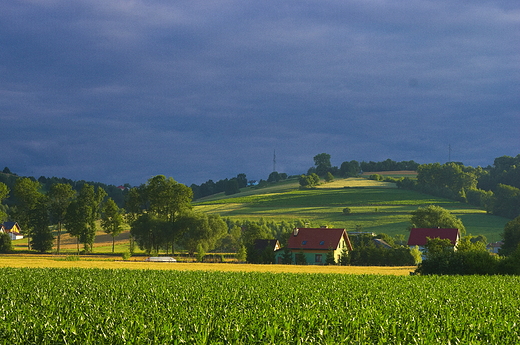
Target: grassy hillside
(376,206)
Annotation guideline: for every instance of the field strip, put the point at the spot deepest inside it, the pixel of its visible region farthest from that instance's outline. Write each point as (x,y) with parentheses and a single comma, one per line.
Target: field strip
(35,262)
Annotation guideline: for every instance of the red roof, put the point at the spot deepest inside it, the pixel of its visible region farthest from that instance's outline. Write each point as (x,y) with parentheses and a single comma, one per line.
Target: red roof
(317,238)
(419,236)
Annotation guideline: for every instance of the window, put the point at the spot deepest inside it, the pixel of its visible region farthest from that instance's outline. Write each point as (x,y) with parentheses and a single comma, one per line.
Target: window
(318,258)
(322,243)
(304,243)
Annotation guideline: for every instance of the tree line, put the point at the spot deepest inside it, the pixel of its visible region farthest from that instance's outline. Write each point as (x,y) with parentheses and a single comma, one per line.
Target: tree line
(228,186)
(494,188)
(9,179)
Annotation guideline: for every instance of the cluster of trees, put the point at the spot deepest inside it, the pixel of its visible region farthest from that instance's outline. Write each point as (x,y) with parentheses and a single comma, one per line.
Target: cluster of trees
(367,253)
(228,186)
(275,176)
(322,166)
(389,165)
(160,216)
(496,189)
(61,205)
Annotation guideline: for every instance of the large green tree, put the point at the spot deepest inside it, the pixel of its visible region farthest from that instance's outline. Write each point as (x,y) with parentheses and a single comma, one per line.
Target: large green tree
(82,214)
(29,201)
(163,200)
(60,196)
(201,229)
(42,239)
(511,237)
(4,193)
(322,163)
(434,216)
(111,220)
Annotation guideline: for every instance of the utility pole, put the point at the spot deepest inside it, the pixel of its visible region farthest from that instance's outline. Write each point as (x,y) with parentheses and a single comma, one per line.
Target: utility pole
(274,160)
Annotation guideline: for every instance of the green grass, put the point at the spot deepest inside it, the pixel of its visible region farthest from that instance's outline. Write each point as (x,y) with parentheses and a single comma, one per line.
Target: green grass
(376,208)
(96,306)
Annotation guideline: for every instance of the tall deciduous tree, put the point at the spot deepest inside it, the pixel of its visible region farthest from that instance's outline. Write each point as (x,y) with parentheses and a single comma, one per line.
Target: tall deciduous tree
(111,220)
(4,193)
(28,199)
(162,200)
(201,229)
(42,239)
(435,217)
(82,214)
(322,163)
(511,237)
(60,196)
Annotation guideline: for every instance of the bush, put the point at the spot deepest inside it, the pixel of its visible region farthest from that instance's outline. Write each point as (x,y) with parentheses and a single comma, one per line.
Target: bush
(5,243)
(461,263)
(125,255)
(347,210)
(376,177)
(72,258)
(200,253)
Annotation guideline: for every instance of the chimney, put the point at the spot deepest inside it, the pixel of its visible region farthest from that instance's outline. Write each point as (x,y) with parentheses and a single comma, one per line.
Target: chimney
(295,231)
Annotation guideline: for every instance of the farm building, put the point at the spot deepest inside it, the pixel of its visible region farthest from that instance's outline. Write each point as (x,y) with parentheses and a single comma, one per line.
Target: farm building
(13,229)
(494,247)
(313,245)
(262,245)
(419,236)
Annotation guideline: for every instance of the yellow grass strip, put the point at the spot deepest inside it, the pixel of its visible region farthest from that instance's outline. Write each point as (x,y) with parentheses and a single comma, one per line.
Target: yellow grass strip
(59,262)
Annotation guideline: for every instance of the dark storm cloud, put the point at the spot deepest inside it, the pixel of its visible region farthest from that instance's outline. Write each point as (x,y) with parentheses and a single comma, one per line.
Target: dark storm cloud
(120,91)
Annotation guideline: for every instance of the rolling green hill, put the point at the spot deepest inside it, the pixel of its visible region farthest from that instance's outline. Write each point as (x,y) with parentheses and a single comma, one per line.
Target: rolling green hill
(376,206)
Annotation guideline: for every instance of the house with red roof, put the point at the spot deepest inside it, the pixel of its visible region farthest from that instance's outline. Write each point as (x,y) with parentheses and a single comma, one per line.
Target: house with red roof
(313,245)
(419,236)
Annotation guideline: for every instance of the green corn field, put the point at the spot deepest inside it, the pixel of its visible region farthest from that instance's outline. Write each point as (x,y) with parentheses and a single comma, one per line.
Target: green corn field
(101,306)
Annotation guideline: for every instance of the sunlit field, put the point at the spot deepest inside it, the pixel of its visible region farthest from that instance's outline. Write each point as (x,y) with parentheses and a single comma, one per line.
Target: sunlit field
(121,306)
(109,262)
(376,206)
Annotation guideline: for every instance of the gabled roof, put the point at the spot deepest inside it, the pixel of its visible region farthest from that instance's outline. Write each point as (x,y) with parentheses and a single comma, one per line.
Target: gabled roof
(10,225)
(261,244)
(381,243)
(419,236)
(317,238)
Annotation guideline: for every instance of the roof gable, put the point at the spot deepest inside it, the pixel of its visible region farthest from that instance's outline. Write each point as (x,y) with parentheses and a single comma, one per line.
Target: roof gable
(11,226)
(317,238)
(419,236)
(262,244)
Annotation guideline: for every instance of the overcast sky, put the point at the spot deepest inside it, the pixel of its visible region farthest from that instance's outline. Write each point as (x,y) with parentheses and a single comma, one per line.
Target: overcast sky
(120,91)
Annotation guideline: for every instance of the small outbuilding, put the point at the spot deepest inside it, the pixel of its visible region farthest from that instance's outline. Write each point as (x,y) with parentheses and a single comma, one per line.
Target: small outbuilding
(160,259)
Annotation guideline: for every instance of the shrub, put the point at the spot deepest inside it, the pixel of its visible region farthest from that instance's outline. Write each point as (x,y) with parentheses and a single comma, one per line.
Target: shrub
(125,255)
(5,243)
(347,210)
(72,258)
(200,253)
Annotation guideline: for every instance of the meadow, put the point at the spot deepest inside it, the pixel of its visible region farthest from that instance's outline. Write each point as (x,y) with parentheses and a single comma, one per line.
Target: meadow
(376,206)
(115,306)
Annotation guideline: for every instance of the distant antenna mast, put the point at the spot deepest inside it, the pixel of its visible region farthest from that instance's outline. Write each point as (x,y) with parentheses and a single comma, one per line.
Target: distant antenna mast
(274,160)
(449,153)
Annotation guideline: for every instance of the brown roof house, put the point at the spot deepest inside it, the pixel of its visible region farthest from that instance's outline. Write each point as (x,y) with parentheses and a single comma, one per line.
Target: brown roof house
(312,245)
(419,236)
